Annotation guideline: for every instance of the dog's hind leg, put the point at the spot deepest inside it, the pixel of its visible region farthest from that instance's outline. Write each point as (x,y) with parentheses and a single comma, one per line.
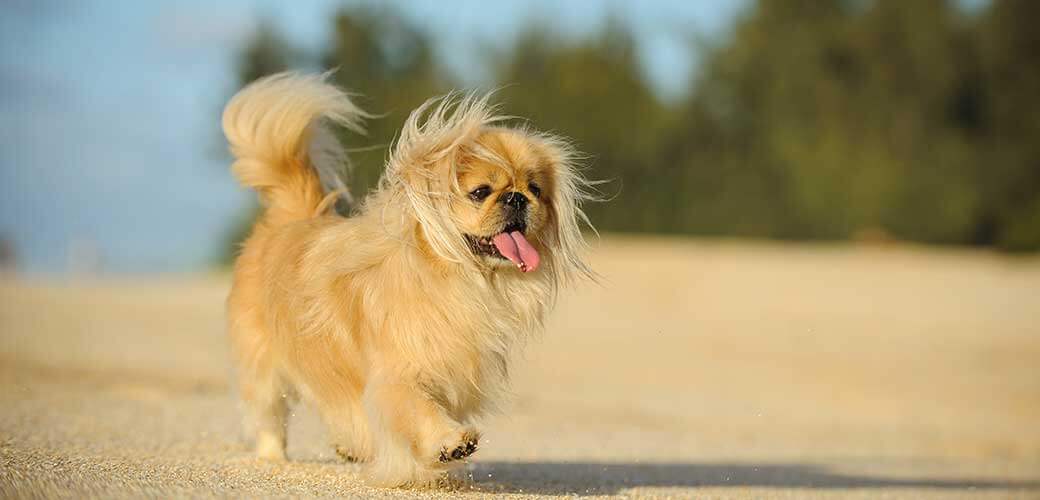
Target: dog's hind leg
(264,392)
(267,401)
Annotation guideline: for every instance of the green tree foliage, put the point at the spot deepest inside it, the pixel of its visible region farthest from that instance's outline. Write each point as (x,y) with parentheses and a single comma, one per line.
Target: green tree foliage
(266,53)
(812,119)
(831,117)
(1008,168)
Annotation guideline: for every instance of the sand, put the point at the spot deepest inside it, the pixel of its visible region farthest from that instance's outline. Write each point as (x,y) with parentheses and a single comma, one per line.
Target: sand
(707,369)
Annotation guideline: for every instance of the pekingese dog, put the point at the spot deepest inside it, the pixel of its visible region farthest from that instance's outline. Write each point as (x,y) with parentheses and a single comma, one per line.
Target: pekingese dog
(396,323)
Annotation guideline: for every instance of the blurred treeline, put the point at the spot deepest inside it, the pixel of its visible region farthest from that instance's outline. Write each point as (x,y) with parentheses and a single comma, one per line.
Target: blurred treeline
(811,119)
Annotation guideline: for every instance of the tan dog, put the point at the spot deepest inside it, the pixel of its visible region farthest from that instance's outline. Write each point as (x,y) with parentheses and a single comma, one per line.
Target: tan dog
(397,323)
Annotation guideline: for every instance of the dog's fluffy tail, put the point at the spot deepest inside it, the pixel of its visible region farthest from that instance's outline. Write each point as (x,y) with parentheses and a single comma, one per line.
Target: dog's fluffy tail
(276,127)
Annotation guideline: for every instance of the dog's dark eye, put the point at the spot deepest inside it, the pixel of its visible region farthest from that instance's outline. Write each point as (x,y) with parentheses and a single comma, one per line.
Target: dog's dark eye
(535,190)
(480,193)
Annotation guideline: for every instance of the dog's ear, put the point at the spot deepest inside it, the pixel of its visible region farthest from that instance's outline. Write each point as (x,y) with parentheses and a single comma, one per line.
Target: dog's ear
(565,243)
(423,165)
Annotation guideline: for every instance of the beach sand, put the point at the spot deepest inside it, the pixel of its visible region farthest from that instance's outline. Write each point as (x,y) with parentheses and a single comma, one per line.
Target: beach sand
(697,368)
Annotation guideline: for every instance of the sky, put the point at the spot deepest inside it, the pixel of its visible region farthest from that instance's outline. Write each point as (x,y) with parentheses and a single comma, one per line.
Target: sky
(110,147)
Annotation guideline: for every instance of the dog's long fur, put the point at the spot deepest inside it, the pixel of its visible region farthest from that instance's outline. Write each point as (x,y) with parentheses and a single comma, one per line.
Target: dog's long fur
(389,322)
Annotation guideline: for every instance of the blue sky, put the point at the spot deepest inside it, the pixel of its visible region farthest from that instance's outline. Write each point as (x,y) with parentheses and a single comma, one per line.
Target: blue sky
(109,110)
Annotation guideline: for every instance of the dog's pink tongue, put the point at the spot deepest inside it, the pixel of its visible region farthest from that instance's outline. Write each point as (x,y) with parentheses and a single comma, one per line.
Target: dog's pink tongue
(516,248)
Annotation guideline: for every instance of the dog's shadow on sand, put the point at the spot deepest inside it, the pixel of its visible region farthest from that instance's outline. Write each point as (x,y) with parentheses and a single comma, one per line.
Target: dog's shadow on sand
(586,478)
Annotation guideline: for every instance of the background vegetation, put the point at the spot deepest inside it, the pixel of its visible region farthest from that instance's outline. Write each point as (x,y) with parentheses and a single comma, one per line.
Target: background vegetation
(811,119)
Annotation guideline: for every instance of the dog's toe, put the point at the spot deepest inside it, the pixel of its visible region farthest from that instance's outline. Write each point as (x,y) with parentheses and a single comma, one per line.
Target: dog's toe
(347,455)
(351,454)
(463,450)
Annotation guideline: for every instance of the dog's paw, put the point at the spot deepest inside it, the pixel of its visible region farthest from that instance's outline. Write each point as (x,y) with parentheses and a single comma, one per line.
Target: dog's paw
(269,447)
(458,449)
(348,455)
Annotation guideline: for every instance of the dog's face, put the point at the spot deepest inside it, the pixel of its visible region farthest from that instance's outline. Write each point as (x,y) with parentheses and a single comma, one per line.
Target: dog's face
(498,198)
(503,204)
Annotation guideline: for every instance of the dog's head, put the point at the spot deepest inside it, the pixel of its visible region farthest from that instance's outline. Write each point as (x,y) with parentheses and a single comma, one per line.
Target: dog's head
(489,197)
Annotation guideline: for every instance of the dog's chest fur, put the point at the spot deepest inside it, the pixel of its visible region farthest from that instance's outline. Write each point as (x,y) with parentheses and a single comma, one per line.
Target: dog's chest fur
(453,333)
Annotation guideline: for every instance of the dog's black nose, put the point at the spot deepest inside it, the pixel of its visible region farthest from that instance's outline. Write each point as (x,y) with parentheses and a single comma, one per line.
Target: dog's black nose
(515,200)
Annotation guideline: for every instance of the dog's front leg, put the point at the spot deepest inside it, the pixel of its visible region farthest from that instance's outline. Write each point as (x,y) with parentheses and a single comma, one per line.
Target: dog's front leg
(413,436)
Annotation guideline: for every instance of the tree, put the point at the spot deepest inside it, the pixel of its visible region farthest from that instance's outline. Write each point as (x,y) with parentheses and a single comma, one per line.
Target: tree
(1010,169)
(812,119)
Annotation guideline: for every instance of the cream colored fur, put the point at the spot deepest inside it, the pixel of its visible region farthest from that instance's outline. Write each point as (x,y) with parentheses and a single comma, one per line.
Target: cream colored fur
(387,322)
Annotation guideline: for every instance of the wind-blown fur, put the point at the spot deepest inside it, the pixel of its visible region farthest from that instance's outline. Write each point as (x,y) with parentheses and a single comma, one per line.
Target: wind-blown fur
(388,322)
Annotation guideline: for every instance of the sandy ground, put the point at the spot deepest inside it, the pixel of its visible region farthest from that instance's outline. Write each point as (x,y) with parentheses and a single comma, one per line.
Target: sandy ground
(697,369)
